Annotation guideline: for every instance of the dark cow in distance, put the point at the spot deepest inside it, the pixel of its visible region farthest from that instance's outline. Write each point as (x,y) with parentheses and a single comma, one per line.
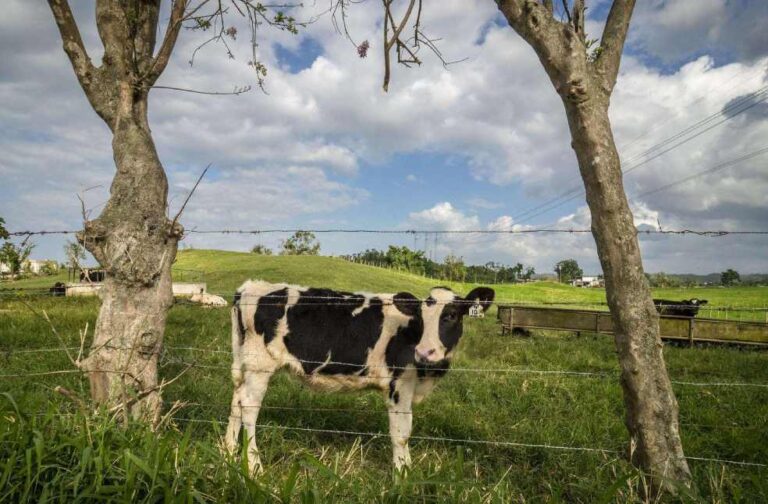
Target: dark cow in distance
(342,340)
(687,308)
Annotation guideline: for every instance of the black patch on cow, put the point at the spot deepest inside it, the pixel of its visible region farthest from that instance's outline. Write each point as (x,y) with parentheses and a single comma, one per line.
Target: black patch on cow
(687,308)
(321,328)
(269,310)
(430,301)
(480,295)
(239,316)
(451,328)
(435,370)
(392,391)
(396,397)
(401,350)
(407,304)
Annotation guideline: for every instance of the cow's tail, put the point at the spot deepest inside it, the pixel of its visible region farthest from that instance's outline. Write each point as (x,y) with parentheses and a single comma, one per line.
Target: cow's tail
(238,340)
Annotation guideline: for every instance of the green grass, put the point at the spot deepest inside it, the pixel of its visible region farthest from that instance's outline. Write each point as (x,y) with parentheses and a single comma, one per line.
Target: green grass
(34,282)
(225,271)
(57,457)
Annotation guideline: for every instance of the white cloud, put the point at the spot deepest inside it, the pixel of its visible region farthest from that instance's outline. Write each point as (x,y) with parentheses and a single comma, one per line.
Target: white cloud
(299,154)
(479,202)
(673,29)
(442,216)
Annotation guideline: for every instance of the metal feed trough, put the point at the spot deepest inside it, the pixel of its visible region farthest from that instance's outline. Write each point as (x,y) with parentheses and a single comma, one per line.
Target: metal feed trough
(599,322)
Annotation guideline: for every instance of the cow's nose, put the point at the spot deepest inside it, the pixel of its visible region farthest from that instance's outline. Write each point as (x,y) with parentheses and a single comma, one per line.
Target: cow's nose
(424,355)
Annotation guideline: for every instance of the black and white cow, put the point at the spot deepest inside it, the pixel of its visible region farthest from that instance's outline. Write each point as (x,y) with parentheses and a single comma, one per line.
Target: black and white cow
(688,308)
(341,340)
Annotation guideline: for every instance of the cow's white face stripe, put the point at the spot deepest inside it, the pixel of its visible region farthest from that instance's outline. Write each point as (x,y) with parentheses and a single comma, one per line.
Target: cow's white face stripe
(430,314)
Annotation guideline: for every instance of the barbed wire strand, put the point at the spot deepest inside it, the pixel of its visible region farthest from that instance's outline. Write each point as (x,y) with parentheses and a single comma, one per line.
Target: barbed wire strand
(673,232)
(361,367)
(315,409)
(350,299)
(511,444)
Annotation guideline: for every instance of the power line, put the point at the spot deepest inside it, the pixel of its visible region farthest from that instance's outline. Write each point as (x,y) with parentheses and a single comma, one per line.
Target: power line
(705,172)
(750,100)
(713,169)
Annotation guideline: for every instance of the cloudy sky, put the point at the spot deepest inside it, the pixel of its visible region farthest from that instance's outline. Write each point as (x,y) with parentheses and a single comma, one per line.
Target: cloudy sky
(482,144)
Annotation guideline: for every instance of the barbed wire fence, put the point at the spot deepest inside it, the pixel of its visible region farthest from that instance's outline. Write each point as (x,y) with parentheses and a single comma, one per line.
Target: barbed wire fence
(10,352)
(696,232)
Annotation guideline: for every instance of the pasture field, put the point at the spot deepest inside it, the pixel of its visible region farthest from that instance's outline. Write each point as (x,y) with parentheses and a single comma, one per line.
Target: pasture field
(49,452)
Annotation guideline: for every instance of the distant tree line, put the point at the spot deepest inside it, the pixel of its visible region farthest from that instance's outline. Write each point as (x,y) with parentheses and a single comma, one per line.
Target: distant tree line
(727,278)
(299,243)
(452,268)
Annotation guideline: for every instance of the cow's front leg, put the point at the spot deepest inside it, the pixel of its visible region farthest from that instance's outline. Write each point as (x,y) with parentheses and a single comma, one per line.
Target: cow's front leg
(399,403)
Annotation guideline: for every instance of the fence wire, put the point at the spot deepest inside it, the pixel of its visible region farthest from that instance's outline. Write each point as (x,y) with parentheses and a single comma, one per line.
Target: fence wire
(354,298)
(444,439)
(164,361)
(671,232)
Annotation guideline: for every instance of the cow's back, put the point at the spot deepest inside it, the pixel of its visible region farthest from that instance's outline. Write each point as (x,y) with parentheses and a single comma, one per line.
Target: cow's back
(320,333)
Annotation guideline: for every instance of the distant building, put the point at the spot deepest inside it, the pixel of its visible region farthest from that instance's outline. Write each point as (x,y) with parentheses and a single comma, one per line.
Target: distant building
(36,266)
(588,281)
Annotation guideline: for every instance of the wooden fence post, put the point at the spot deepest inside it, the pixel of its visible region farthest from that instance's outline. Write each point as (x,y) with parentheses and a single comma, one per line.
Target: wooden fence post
(690,332)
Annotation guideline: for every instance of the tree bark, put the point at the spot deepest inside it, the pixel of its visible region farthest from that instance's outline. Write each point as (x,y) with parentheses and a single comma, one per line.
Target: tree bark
(585,83)
(651,407)
(132,239)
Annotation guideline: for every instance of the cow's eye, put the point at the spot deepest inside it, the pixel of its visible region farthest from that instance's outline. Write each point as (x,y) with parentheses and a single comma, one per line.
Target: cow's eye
(449,317)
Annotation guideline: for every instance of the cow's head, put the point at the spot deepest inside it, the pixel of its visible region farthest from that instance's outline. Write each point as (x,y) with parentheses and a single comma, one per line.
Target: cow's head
(442,314)
(697,302)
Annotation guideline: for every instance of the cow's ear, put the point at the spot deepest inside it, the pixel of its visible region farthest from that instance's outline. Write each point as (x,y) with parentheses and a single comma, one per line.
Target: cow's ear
(703,302)
(480,295)
(407,303)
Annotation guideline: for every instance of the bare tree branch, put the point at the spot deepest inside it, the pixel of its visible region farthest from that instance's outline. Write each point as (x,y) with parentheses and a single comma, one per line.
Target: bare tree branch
(160,61)
(237,91)
(114,31)
(578,17)
(390,42)
(73,42)
(612,43)
(184,205)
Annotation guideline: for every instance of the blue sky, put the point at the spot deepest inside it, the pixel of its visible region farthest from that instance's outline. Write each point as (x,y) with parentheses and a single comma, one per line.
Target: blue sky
(468,147)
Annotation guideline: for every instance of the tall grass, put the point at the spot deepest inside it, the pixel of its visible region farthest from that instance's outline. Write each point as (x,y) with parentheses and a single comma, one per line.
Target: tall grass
(63,456)
(52,452)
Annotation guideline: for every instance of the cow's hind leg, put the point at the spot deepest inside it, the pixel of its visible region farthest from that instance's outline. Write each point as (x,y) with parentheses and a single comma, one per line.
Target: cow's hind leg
(399,403)
(235,420)
(256,383)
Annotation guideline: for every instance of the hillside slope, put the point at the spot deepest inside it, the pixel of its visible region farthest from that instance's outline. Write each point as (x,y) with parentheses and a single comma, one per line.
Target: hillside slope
(224,271)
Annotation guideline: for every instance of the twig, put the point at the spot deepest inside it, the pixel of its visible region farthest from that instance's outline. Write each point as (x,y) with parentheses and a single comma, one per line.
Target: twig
(45,317)
(184,205)
(236,92)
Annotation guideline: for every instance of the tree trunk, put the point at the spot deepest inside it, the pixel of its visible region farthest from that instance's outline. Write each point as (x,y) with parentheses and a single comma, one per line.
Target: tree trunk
(134,241)
(651,407)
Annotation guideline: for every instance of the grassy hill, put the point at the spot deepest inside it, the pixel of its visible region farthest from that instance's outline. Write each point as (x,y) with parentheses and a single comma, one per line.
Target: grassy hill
(225,271)
(508,390)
